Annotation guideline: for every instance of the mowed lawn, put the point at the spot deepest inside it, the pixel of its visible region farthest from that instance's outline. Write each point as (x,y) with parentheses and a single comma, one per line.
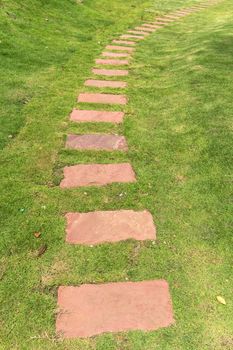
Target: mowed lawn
(178,126)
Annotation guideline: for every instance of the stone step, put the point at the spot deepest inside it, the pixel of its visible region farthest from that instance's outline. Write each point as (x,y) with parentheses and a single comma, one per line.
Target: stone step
(119,48)
(105,83)
(111,62)
(97,175)
(110,72)
(137,32)
(124,42)
(150,25)
(96,142)
(93,309)
(109,226)
(102,98)
(151,30)
(115,54)
(131,36)
(164,19)
(83,116)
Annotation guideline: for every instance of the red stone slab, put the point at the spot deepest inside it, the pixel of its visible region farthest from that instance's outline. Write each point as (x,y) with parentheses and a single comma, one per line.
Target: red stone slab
(109,226)
(83,116)
(115,54)
(96,175)
(171,16)
(151,26)
(105,83)
(129,36)
(151,30)
(93,309)
(102,98)
(110,72)
(119,48)
(124,42)
(111,62)
(96,142)
(164,19)
(137,32)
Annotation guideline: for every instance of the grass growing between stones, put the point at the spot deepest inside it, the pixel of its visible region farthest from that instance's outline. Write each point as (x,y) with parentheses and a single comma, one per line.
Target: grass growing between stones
(178,129)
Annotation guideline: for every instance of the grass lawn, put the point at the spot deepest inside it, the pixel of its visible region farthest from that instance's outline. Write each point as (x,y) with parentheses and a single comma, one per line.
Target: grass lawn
(179,131)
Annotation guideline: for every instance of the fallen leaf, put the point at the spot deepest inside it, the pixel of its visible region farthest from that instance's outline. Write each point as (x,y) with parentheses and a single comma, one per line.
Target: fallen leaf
(37,234)
(42,250)
(221,300)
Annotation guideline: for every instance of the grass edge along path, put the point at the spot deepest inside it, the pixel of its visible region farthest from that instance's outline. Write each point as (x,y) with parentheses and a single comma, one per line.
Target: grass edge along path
(122,306)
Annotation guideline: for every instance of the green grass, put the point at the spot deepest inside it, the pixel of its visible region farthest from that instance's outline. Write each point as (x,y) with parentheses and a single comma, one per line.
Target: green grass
(179,130)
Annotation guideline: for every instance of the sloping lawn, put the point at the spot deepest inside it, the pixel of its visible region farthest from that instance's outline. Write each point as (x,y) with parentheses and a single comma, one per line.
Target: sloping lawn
(179,130)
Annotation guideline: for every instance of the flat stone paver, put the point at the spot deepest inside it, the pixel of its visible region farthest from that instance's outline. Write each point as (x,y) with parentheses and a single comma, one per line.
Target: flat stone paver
(110,72)
(83,116)
(131,36)
(115,54)
(125,42)
(151,30)
(162,24)
(164,19)
(171,16)
(96,174)
(109,226)
(92,309)
(137,32)
(96,142)
(151,26)
(112,62)
(102,98)
(105,83)
(119,48)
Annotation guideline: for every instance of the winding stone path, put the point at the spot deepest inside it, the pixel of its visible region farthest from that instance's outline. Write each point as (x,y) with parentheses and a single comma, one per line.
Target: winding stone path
(92,309)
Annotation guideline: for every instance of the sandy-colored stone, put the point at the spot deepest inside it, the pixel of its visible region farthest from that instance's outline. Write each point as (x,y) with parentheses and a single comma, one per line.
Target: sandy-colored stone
(92,309)
(109,226)
(131,36)
(137,32)
(105,83)
(147,29)
(83,116)
(164,19)
(151,25)
(96,142)
(110,72)
(96,174)
(124,42)
(112,62)
(102,98)
(115,54)
(119,48)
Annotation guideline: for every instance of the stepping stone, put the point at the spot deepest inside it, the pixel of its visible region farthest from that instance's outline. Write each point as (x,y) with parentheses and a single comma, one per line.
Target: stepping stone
(96,116)
(112,62)
(129,36)
(164,19)
(171,16)
(96,142)
(119,48)
(151,26)
(93,309)
(110,72)
(137,32)
(109,226)
(115,54)
(105,83)
(146,29)
(124,42)
(162,24)
(97,175)
(102,98)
